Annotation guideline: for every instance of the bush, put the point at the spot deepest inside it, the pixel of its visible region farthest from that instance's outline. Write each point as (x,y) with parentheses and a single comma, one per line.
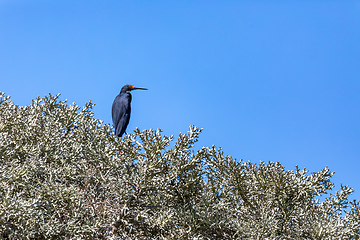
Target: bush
(64,175)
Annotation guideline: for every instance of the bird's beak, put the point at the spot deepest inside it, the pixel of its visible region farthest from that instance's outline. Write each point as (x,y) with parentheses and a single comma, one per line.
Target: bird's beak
(135,88)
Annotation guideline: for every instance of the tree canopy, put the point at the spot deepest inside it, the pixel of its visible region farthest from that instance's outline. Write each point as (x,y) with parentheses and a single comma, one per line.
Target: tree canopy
(64,174)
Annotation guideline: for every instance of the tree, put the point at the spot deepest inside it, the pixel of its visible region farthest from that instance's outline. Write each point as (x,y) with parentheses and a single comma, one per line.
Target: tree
(63,174)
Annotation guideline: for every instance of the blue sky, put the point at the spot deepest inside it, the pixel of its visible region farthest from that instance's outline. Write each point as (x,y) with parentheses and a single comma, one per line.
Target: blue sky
(267,80)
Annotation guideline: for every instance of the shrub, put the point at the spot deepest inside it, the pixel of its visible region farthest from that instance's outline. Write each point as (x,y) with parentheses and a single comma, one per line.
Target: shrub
(64,175)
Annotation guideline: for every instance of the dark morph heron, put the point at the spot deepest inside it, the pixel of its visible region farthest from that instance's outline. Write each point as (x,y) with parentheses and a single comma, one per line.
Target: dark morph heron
(121,109)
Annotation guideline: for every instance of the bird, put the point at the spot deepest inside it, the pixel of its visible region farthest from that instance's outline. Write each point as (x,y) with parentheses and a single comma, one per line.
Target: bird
(121,109)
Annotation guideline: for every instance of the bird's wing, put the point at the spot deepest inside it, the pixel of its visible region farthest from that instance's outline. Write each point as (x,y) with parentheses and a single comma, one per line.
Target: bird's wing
(119,110)
(123,123)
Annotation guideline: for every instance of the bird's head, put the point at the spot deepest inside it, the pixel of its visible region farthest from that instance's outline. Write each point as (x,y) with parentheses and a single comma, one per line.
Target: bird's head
(128,88)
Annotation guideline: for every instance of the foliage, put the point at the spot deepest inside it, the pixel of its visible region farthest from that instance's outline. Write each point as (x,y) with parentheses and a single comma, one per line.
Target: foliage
(64,175)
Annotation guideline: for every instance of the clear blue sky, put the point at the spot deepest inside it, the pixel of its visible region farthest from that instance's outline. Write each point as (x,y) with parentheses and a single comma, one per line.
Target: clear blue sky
(267,80)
